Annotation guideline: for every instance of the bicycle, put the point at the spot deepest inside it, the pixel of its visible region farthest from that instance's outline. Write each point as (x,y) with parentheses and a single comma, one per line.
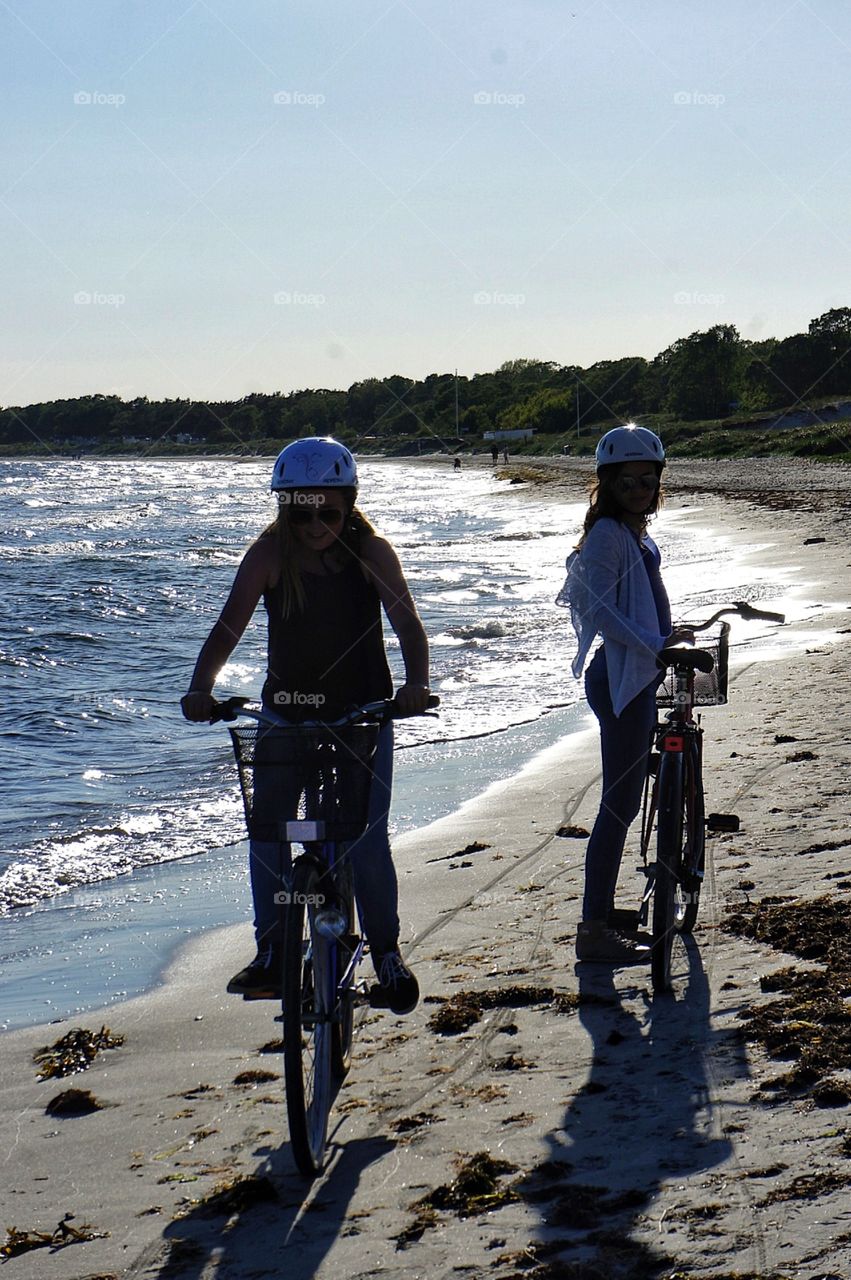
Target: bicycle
(326,768)
(673,792)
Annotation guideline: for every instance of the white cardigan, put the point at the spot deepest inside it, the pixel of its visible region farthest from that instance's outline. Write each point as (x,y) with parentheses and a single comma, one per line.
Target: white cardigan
(608,592)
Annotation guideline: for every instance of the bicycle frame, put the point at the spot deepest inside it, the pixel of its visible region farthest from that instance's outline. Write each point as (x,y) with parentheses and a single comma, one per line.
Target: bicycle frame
(673,803)
(321,950)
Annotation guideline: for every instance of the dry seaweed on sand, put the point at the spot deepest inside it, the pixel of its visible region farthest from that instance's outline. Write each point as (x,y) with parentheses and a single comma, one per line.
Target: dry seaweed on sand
(475,1189)
(809,1186)
(75,1051)
(73,1102)
(254,1076)
(18,1242)
(461,1011)
(228,1198)
(810,1024)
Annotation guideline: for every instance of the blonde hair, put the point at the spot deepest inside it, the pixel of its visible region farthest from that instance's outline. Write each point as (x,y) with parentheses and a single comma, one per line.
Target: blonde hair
(355,527)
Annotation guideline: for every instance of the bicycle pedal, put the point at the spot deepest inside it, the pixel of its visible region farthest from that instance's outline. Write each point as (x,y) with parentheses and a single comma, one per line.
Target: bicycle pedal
(722,822)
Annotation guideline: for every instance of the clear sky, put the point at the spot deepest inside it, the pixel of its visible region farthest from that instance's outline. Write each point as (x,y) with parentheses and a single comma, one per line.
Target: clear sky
(207,198)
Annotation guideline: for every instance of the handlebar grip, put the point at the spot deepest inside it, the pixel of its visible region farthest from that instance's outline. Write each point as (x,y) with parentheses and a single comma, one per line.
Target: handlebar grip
(227,710)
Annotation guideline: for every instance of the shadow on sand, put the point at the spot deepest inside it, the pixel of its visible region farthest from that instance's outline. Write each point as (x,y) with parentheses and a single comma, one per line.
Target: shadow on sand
(643,1117)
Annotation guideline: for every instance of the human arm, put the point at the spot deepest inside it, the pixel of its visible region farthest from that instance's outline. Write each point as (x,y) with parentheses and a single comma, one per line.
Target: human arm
(609,559)
(250,582)
(383,570)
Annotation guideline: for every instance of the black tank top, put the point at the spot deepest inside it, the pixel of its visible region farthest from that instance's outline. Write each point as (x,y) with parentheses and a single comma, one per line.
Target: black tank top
(329,655)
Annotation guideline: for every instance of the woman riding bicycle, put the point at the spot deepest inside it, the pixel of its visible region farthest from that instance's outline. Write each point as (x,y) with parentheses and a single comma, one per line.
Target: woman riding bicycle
(323,575)
(614,589)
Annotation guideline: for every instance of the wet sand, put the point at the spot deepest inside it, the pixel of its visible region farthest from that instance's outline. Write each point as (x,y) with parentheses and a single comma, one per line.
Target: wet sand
(564,1118)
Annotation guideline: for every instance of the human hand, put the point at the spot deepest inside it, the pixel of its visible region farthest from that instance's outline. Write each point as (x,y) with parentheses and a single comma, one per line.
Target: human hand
(197,706)
(682,635)
(412,699)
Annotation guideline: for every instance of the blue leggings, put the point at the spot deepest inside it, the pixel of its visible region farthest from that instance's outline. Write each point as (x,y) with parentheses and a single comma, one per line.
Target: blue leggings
(376,887)
(625,743)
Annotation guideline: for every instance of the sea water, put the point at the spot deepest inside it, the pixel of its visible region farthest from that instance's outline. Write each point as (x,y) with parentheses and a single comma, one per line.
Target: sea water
(122,830)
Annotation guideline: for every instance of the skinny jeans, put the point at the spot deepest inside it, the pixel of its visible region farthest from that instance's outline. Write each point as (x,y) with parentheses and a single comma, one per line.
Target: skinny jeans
(625,745)
(276,798)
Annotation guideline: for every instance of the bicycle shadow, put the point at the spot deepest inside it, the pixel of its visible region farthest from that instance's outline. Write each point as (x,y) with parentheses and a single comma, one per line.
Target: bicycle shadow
(644,1115)
(284,1226)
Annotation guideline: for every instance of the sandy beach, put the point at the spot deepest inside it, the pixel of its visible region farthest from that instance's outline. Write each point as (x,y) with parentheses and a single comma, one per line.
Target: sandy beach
(563,1122)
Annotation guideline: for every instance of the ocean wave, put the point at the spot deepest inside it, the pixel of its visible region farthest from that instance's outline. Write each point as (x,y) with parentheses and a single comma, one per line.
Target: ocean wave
(484,631)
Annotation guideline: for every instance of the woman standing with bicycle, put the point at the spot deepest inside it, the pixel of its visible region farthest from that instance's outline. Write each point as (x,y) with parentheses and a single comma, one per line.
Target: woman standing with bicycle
(614,589)
(323,575)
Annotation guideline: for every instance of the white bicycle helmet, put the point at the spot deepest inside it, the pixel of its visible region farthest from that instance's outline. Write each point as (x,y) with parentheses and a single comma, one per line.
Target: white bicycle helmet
(315,462)
(629,443)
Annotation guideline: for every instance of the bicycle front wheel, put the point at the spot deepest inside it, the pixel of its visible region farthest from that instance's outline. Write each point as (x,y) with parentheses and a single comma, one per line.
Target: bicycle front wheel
(694,843)
(308,1010)
(344,1022)
(669,844)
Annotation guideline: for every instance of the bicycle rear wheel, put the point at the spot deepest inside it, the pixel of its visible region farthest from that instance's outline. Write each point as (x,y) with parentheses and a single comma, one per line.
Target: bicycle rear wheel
(693,845)
(669,844)
(308,1005)
(343,1028)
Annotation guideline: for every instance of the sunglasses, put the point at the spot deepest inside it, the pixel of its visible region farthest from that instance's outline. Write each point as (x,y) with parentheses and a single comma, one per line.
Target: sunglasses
(306,515)
(626,484)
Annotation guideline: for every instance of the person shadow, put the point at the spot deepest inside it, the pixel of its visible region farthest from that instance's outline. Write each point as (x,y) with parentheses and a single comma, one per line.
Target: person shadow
(272,1222)
(644,1116)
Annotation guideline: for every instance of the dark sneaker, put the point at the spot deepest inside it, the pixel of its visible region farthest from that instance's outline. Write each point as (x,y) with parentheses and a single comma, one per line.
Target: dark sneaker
(625,922)
(397,988)
(597,942)
(260,980)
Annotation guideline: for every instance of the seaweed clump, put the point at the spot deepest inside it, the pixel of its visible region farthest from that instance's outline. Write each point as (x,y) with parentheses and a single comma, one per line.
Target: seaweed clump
(461,1011)
(18,1242)
(810,1024)
(475,1189)
(75,1051)
(73,1102)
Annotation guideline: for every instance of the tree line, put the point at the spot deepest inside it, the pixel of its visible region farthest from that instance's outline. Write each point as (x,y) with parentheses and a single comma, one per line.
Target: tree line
(708,375)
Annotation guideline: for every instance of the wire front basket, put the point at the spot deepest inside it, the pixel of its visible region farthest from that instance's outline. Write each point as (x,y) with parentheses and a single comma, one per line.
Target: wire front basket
(710,689)
(304,773)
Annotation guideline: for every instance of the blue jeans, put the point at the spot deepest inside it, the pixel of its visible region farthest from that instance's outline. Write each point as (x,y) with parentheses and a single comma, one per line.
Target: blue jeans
(376,887)
(625,744)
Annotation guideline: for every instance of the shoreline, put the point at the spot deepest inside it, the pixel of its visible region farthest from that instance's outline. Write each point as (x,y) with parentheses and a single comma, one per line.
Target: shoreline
(574,1101)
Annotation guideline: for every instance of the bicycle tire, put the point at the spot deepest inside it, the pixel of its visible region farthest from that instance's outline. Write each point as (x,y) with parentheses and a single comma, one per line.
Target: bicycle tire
(694,843)
(308,1004)
(669,843)
(344,1024)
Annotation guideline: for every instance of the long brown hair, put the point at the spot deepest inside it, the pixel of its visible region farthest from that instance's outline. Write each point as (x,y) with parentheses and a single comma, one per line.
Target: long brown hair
(355,528)
(604,500)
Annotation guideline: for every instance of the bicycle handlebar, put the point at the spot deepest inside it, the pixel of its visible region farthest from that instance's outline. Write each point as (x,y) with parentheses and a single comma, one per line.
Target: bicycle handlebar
(372,712)
(744,610)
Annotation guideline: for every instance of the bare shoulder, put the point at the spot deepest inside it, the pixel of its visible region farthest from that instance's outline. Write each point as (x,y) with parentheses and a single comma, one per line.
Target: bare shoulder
(260,561)
(377,550)
(378,559)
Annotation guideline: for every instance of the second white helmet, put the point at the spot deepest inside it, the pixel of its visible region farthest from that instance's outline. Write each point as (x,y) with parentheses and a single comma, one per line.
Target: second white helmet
(315,462)
(629,443)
